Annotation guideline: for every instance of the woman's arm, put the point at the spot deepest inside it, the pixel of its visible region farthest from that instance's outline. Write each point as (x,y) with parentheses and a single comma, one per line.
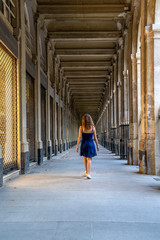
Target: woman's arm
(95,138)
(79,137)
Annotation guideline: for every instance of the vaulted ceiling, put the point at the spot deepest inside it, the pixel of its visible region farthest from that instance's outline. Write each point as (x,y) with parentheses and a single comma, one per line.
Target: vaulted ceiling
(85,34)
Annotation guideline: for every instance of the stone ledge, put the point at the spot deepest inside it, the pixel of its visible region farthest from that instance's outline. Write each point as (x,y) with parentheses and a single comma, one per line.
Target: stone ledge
(10,176)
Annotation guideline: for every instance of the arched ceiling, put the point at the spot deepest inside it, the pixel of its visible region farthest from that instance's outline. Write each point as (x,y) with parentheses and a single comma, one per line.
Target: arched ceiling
(85,34)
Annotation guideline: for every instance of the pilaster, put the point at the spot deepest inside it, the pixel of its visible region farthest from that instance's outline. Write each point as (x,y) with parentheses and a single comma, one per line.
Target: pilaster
(38,94)
(133,130)
(49,143)
(59,111)
(156,39)
(24,165)
(63,112)
(56,66)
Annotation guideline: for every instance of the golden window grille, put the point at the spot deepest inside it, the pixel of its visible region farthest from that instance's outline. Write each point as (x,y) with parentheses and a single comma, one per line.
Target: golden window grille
(8,108)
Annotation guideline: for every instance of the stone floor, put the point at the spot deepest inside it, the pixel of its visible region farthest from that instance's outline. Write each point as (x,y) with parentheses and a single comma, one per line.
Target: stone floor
(54,202)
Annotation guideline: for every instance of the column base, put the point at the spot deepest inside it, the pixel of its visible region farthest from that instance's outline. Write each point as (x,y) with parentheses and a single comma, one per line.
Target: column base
(55,149)
(40,156)
(147,156)
(133,156)
(64,146)
(67,145)
(55,144)
(24,162)
(49,144)
(61,148)
(117,147)
(24,158)
(1,172)
(49,152)
(124,133)
(142,162)
(60,145)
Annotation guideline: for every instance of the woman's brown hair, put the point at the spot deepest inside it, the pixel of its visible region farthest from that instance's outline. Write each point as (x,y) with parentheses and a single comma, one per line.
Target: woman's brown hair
(87,121)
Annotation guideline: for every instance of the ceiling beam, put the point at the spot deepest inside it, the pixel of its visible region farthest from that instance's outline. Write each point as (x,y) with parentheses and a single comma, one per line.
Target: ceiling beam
(85,64)
(109,35)
(69,51)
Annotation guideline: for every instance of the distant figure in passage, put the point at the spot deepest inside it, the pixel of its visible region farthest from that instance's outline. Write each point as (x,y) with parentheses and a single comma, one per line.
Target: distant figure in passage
(87,150)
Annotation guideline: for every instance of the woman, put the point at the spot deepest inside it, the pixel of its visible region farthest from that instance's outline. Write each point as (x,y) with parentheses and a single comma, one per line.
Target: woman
(86,132)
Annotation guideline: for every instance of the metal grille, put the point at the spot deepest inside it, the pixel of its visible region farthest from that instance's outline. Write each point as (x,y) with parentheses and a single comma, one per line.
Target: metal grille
(8,108)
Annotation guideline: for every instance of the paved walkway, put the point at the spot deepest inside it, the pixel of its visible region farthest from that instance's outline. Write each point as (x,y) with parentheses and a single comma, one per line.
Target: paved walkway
(53,202)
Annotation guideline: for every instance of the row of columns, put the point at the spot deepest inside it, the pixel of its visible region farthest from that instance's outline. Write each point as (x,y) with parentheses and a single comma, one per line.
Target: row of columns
(65,125)
(128,123)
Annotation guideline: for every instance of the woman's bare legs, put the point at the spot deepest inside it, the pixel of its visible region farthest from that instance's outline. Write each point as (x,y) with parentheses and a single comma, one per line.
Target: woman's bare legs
(85,163)
(89,161)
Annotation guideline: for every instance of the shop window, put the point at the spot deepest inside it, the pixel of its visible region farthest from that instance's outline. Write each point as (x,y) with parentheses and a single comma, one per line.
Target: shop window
(8,109)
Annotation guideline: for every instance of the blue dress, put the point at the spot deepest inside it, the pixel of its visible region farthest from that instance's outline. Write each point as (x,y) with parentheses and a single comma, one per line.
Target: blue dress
(87,146)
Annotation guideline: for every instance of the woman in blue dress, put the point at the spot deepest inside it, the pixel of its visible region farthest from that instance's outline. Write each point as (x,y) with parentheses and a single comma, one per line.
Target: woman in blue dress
(86,132)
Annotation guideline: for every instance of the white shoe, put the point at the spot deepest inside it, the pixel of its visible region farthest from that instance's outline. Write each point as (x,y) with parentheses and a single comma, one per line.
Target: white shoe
(88,176)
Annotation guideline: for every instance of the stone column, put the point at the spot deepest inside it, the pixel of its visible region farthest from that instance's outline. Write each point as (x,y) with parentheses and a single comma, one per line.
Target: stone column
(119,103)
(109,112)
(125,97)
(59,111)
(67,115)
(56,65)
(63,112)
(112,111)
(156,36)
(133,155)
(49,143)
(139,96)
(24,164)
(147,143)
(114,101)
(38,94)
(150,113)
(121,100)
(69,119)
(142,146)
